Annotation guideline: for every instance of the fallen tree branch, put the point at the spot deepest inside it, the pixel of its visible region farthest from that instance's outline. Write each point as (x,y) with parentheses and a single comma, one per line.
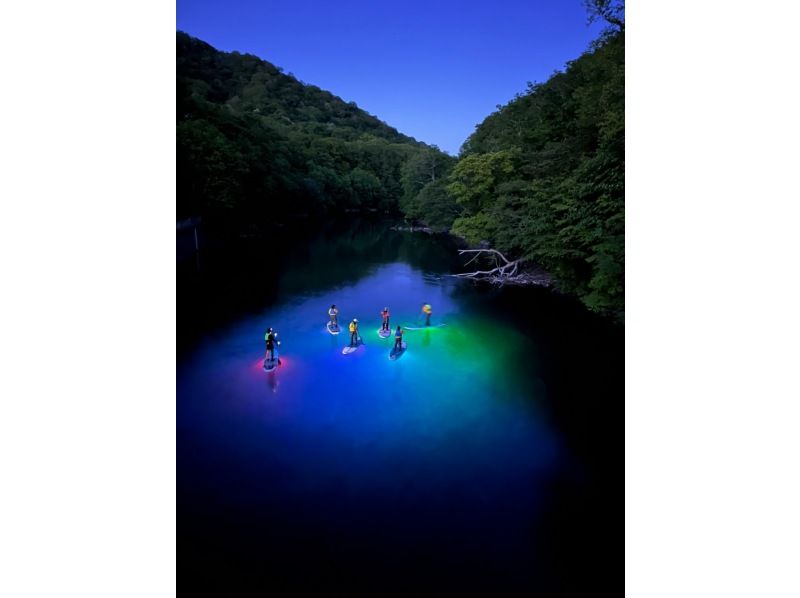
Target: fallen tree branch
(506,273)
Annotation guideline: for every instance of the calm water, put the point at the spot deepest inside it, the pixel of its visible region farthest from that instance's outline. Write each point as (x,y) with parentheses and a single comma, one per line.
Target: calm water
(472,462)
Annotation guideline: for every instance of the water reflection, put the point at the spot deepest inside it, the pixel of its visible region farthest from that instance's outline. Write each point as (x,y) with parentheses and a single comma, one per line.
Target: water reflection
(444,456)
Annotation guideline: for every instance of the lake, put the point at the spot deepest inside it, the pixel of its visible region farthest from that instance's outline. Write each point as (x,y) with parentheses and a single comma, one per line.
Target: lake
(487,458)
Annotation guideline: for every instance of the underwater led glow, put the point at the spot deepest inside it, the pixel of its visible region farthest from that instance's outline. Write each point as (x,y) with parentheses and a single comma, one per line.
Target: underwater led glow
(456,420)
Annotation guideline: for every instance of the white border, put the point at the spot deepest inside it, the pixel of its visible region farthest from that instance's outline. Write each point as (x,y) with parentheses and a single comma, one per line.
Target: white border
(712,452)
(87,322)
(87,207)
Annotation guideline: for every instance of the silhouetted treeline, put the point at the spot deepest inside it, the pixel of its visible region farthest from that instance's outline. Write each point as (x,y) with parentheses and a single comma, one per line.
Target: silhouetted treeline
(254,143)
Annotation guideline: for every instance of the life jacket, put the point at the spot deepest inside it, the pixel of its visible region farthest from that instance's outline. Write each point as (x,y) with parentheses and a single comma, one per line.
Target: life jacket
(385,315)
(270,337)
(333,312)
(399,333)
(353,327)
(427,308)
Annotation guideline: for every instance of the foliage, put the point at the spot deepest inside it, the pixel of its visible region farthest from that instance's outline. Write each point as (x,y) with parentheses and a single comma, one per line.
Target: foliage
(255,143)
(476,177)
(610,11)
(543,177)
(425,198)
(434,206)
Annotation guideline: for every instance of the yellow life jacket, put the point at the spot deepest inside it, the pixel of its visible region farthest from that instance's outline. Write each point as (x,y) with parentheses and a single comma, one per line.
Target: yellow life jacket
(353,327)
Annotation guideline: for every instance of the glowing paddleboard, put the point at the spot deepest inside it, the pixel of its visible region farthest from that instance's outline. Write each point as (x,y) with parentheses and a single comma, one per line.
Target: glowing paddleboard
(424,327)
(348,349)
(395,354)
(384,333)
(271,364)
(332,329)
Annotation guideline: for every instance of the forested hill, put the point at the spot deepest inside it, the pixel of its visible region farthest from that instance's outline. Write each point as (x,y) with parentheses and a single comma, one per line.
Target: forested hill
(254,143)
(543,177)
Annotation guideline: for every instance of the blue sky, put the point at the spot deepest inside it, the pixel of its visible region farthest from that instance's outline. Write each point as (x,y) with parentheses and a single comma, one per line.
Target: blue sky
(431,69)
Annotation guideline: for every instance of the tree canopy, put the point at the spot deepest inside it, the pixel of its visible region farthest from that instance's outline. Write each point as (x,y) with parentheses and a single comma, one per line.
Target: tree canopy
(543,176)
(256,143)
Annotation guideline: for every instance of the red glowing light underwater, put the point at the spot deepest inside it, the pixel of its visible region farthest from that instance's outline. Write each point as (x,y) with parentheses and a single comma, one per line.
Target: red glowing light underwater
(259,365)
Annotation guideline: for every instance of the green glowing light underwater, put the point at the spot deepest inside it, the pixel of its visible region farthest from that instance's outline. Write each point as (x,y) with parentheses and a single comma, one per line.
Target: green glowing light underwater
(466,390)
(452,440)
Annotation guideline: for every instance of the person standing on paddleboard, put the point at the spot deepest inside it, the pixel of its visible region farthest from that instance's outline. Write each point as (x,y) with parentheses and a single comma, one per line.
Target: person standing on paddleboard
(427,310)
(354,332)
(385,316)
(271,337)
(333,312)
(398,339)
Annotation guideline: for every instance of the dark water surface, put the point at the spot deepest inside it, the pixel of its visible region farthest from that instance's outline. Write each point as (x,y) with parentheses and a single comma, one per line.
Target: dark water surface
(488,458)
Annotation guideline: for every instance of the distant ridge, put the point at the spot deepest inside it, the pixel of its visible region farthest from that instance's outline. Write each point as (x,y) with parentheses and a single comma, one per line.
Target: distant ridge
(254,142)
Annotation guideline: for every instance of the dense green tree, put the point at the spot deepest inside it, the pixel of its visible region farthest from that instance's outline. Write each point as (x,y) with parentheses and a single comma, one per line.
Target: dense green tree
(476,178)
(543,176)
(426,169)
(433,205)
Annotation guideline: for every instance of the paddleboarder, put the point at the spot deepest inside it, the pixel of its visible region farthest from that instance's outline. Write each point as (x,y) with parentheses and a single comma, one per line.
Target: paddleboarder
(333,312)
(427,310)
(354,332)
(271,338)
(398,339)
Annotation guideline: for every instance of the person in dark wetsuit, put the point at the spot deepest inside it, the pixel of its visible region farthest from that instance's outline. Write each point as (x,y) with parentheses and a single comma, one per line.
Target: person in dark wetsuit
(398,340)
(271,338)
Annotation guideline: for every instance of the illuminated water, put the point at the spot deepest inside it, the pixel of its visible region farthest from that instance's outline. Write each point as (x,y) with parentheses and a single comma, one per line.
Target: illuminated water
(354,470)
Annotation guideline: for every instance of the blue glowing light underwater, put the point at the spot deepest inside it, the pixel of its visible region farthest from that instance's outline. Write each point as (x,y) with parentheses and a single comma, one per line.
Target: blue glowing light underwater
(461,409)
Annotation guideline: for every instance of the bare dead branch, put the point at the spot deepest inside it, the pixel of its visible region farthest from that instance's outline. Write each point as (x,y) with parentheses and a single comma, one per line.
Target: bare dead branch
(505,271)
(482,251)
(472,259)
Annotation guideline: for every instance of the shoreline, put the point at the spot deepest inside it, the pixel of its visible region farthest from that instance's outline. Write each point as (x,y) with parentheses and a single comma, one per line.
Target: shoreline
(532,274)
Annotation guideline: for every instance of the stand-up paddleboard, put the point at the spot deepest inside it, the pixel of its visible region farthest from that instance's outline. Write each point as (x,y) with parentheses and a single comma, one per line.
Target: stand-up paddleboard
(384,333)
(332,329)
(348,349)
(424,327)
(271,364)
(395,354)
